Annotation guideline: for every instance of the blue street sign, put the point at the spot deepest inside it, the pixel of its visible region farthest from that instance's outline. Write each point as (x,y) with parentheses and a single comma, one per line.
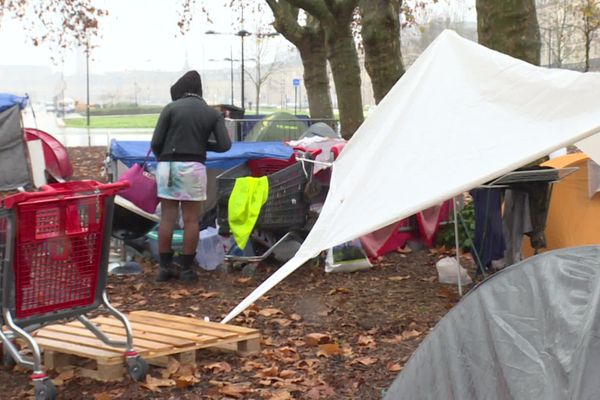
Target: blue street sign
(296,82)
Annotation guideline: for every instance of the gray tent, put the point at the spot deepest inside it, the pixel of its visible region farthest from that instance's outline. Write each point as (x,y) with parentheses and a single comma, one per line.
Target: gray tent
(531,332)
(14,164)
(277,127)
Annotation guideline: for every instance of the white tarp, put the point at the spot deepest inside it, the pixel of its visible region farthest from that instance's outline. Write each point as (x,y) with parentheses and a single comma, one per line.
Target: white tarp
(460,116)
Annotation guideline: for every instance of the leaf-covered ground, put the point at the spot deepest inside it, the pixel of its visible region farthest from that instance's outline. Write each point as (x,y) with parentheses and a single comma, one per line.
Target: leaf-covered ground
(324,336)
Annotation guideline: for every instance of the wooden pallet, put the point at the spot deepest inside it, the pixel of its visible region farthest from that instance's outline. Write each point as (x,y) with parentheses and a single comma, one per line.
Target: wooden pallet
(156,338)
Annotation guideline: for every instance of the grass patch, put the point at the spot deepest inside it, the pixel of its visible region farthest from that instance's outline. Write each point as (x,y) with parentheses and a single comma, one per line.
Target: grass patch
(115,121)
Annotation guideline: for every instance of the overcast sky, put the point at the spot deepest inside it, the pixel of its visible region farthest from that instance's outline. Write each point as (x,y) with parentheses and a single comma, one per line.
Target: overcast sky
(139,34)
(143,34)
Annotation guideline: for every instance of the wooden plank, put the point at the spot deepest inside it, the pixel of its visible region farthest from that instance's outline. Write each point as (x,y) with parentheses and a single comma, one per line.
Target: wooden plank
(119,330)
(248,347)
(54,360)
(104,372)
(231,344)
(145,327)
(81,351)
(184,358)
(92,342)
(195,321)
(84,332)
(182,326)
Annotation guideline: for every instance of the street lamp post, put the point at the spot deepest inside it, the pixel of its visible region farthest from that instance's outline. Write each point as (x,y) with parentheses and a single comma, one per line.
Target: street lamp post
(87,82)
(242,34)
(231,61)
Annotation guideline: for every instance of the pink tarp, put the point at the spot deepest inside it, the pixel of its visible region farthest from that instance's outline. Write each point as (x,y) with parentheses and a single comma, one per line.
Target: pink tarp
(394,236)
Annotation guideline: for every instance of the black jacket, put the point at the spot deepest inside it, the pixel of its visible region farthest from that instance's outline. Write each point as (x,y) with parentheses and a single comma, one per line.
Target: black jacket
(184,128)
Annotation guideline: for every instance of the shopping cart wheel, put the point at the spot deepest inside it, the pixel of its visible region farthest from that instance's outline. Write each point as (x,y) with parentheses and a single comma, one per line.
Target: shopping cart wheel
(249,270)
(45,390)
(7,359)
(137,368)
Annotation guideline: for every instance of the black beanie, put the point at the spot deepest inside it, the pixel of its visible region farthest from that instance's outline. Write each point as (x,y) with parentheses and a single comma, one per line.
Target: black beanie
(190,82)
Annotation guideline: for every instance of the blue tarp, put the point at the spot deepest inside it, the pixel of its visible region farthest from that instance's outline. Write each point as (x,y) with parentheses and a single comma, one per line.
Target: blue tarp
(130,152)
(8,100)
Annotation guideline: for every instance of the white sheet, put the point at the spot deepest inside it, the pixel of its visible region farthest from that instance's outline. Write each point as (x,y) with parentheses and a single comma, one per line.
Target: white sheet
(461,115)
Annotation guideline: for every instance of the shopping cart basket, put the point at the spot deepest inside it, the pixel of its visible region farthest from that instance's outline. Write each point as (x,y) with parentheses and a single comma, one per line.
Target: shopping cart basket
(286,208)
(54,247)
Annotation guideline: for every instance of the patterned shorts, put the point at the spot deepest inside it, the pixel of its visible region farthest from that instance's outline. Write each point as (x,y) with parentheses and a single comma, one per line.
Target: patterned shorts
(181,180)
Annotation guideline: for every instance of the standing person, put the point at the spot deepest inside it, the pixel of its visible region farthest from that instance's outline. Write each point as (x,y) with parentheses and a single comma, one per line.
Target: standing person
(181,139)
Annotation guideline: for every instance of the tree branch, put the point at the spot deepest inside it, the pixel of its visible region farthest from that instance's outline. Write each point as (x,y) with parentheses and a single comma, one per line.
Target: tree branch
(316,8)
(286,20)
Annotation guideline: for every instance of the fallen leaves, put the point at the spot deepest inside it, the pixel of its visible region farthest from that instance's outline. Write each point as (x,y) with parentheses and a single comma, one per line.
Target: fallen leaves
(219,367)
(295,317)
(367,361)
(237,390)
(399,278)
(315,339)
(268,372)
(393,367)
(180,294)
(269,312)
(185,381)
(328,350)
(208,295)
(342,290)
(366,341)
(154,384)
(410,334)
(63,377)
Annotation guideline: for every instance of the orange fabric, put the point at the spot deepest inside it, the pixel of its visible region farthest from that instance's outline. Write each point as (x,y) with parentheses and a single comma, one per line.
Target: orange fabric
(573,218)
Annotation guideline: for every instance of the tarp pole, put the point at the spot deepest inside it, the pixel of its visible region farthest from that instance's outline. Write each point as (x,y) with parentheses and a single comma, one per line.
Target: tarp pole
(457,244)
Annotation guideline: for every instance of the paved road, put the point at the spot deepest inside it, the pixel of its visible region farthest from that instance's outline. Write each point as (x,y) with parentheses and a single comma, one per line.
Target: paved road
(75,137)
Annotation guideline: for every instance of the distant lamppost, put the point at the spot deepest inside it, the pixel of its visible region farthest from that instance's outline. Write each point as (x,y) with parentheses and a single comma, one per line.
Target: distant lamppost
(231,60)
(242,34)
(87,82)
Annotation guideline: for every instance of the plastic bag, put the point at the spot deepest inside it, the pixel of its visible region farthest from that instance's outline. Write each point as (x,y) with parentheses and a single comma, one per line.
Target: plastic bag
(347,257)
(447,269)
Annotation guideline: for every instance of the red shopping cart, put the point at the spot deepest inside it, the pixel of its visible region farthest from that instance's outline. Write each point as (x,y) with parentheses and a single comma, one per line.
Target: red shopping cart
(54,247)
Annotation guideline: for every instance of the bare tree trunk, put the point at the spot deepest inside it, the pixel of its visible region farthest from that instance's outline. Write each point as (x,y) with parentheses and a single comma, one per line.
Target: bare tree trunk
(316,81)
(343,59)
(511,27)
(335,17)
(381,41)
(310,41)
(259,83)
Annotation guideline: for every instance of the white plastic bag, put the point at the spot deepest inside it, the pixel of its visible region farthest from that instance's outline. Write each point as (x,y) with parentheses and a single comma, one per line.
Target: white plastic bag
(447,269)
(211,249)
(347,257)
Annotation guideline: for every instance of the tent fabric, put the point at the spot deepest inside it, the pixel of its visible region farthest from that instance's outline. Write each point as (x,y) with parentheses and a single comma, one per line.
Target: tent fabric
(460,116)
(56,157)
(573,216)
(13,151)
(130,152)
(529,332)
(8,100)
(278,126)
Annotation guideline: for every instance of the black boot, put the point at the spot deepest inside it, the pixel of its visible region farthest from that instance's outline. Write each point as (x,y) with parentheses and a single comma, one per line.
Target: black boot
(166,271)
(188,274)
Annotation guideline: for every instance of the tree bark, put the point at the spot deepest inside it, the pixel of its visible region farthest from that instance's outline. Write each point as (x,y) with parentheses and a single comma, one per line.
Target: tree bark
(310,42)
(342,56)
(381,40)
(335,17)
(316,82)
(511,27)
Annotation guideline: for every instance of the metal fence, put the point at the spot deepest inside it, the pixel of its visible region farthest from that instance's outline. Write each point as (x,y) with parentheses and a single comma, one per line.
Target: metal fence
(265,129)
